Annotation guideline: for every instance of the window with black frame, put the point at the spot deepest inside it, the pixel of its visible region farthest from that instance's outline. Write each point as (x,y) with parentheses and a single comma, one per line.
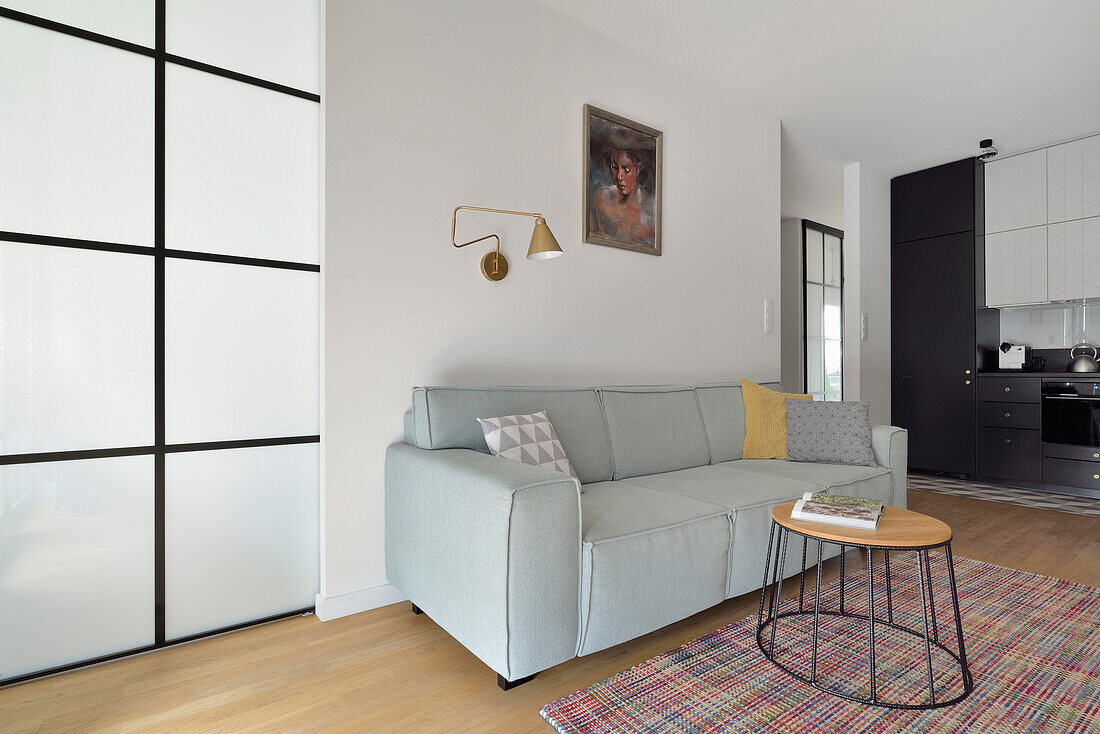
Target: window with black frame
(823,310)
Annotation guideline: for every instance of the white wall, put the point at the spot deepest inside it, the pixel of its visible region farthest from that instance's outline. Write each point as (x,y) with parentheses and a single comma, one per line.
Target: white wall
(793,368)
(812,188)
(856,199)
(813,184)
(852,305)
(434,104)
(874,292)
(867,288)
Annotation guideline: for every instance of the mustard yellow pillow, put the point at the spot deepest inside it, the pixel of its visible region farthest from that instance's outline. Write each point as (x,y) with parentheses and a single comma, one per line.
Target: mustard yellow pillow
(765,421)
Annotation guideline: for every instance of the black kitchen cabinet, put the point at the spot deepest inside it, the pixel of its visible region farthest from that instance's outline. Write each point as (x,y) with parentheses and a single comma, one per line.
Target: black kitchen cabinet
(939,414)
(1009,389)
(964,416)
(1080,453)
(1007,453)
(1008,415)
(932,302)
(1009,440)
(933,202)
(939,336)
(1069,473)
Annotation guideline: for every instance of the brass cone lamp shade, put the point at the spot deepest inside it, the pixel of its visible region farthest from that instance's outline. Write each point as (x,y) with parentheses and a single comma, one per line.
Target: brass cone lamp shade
(543,244)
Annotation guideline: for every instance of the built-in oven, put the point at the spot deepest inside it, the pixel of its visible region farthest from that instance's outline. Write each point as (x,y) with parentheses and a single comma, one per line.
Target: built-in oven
(1071,413)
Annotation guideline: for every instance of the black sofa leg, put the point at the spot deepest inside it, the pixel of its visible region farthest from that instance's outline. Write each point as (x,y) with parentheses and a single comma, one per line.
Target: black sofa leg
(507,685)
(416,609)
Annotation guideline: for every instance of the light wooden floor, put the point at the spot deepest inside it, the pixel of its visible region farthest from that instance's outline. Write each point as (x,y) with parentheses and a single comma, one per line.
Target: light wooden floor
(388,670)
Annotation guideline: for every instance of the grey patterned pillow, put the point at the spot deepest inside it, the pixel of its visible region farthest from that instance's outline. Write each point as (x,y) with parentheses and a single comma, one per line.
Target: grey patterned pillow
(528,439)
(829,433)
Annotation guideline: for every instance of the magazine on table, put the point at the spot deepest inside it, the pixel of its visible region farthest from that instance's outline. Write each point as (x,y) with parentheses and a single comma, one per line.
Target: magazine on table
(834,509)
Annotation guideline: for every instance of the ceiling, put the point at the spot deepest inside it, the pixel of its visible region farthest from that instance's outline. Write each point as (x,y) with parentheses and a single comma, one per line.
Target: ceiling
(898,86)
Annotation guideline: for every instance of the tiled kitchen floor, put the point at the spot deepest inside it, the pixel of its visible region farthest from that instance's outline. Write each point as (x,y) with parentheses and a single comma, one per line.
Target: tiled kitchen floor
(997,493)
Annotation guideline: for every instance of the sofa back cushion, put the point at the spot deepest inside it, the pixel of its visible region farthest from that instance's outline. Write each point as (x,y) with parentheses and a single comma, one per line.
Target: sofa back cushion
(654,429)
(723,411)
(446,418)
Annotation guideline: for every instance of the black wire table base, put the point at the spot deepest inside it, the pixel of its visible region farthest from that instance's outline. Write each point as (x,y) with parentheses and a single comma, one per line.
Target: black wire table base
(770,614)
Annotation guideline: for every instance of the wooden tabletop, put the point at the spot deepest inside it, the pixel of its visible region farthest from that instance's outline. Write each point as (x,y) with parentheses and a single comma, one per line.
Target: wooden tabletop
(897,528)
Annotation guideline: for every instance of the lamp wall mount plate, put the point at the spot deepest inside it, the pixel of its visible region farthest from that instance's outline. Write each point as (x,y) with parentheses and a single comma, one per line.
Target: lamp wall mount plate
(494,265)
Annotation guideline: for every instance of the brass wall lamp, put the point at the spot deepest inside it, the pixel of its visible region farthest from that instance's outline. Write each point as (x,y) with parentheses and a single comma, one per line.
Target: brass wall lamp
(494,265)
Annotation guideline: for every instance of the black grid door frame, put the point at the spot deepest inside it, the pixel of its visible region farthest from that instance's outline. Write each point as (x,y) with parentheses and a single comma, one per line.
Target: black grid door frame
(839,234)
(160,253)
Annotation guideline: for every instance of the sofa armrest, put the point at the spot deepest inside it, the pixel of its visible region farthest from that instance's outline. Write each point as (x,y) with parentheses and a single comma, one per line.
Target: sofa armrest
(891,447)
(490,550)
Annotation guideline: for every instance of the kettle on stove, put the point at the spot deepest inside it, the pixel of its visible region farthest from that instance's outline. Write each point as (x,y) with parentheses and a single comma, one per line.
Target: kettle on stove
(1082,362)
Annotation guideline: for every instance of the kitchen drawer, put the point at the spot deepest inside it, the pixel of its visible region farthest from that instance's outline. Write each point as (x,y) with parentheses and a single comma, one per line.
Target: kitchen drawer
(1072,473)
(1009,415)
(1009,389)
(1008,453)
(1063,451)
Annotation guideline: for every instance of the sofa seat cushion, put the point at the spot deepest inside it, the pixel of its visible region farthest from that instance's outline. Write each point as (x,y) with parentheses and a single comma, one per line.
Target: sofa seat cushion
(612,510)
(750,497)
(869,482)
(723,485)
(752,524)
(648,559)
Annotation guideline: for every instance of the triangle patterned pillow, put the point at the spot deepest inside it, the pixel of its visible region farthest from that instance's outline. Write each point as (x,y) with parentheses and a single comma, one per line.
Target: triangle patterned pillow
(528,439)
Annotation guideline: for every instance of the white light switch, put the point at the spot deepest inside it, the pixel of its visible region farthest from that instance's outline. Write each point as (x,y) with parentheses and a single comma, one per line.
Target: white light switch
(863,327)
(769,316)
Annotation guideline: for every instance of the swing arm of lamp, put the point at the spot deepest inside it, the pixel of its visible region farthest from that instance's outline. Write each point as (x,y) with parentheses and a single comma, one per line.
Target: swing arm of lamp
(494,265)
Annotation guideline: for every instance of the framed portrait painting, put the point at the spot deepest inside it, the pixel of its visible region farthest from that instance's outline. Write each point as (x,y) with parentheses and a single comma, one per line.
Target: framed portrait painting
(622,182)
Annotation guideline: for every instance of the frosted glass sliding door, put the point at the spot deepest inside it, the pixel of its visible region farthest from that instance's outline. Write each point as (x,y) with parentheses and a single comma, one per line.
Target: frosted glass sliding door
(76,349)
(76,561)
(243,169)
(242,535)
(76,137)
(241,314)
(242,352)
(159,323)
(285,47)
(128,20)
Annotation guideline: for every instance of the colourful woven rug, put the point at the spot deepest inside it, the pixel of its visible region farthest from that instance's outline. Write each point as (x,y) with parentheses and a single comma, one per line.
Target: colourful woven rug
(1033,645)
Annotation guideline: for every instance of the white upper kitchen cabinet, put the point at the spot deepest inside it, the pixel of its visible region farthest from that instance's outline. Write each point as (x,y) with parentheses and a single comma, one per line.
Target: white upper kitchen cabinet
(1016,192)
(1073,261)
(1016,267)
(1073,180)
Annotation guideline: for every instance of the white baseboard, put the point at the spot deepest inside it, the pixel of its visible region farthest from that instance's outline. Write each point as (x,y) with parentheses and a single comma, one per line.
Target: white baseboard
(334,607)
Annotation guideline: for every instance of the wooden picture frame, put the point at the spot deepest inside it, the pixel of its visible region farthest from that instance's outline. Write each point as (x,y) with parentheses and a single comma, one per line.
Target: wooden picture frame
(622,182)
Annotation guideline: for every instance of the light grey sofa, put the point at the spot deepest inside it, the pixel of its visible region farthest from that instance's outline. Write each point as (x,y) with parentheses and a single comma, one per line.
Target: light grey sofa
(527,572)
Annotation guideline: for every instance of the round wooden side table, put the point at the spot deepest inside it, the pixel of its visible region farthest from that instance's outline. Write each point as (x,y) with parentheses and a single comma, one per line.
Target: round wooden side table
(898,531)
